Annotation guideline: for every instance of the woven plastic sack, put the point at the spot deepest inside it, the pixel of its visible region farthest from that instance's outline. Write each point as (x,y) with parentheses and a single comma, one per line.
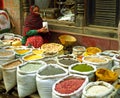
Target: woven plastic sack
(75,94)
(45,82)
(9,74)
(26,81)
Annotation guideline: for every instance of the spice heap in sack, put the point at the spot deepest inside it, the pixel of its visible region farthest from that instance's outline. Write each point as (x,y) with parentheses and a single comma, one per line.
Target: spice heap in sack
(106,75)
(91,51)
(70,86)
(26,77)
(83,69)
(47,76)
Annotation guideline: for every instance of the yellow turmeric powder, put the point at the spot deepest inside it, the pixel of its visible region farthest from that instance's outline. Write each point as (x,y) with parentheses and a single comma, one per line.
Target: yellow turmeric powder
(22,51)
(32,57)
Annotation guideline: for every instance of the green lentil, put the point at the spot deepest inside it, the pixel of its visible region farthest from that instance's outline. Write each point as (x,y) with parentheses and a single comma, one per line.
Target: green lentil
(51,70)
(30,67)
(82,68)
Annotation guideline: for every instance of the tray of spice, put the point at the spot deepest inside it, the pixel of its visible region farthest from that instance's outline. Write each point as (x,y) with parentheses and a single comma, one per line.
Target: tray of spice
(52,49)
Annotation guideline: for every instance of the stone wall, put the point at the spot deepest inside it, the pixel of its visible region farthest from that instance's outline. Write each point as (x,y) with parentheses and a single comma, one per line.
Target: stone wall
(14,9)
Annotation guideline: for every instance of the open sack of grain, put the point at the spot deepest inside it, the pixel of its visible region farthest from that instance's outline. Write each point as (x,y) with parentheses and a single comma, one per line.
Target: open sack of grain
(70,86)
(99,89)
(47,76)
(83,69)
(9,71)
(26,77)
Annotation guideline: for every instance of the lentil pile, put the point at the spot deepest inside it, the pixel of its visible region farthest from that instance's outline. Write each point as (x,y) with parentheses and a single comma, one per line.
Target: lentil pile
(82,67)
(69,85)
(51,70)
(30,67)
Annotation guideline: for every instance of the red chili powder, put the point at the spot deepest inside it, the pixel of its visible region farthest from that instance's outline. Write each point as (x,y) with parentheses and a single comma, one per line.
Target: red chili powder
(69,85)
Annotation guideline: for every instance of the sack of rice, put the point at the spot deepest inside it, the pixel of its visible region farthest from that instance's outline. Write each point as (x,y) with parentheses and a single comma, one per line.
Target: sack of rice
(47,76)
(83,69)
(9,71)
(26,77)
(99,89)
(70,86)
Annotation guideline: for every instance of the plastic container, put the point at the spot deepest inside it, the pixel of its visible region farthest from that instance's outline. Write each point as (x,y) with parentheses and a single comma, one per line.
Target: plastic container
(78,50)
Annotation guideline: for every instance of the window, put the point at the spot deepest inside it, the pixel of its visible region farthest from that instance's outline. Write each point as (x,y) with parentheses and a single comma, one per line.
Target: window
(103,12)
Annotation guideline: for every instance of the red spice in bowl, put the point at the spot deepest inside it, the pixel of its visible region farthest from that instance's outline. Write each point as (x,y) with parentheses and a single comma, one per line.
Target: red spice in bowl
(69,85)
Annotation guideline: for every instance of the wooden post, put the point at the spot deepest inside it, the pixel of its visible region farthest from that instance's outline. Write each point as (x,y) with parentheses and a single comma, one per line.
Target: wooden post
(1,4)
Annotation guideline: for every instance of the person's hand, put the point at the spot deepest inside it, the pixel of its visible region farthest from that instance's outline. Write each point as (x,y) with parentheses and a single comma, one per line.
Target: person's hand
(43,30)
